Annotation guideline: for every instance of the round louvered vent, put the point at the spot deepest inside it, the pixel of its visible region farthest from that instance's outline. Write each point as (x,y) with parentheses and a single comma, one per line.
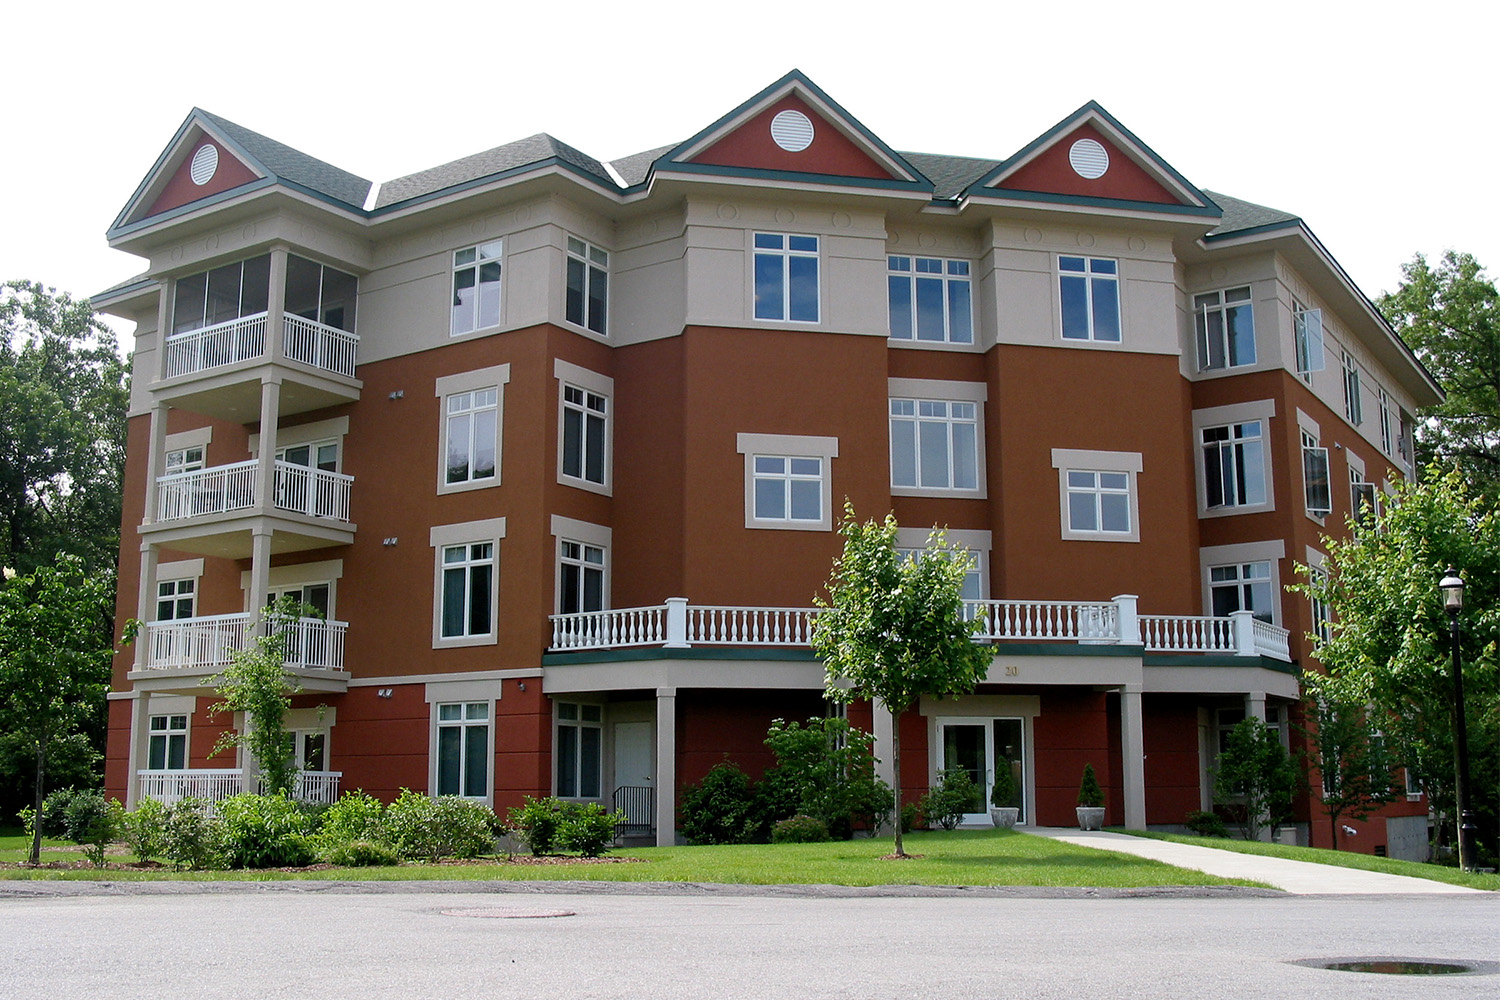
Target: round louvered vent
(1089,159)
(205,164)
(792,130)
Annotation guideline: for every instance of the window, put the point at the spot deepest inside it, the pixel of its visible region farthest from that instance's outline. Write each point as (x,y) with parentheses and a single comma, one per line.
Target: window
(975,544)
(930,300)
(580,577)
(580,756)
(588,285)
(229,292)
(1090,293)
(934,444)
(1097,494)
(1384,401)
(787,480)
(1308,329)
(1352,407)
(466,566)
(1234,470)
(1315,481)
(1242,587)
(1364,499)
(167,750)
(463,749)
(322,294)
(184,460)
(1226,329)
(472,405)
(973,589)
(786,277)
(476,288)
(584,433)
(175,599)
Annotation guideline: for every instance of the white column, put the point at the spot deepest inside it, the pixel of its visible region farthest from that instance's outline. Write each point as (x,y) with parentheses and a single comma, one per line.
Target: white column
(155,458)
(145,603)
(666,767)
(140,744)
(167,293)
(881,729)
(265,472)
(1244,632)
(260,576)
(1130,623)
(676,623)
(1255,705)
(1133,756)
(275,309)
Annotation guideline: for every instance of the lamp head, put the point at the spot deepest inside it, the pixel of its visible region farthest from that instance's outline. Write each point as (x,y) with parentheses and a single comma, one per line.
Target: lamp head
(1452,587)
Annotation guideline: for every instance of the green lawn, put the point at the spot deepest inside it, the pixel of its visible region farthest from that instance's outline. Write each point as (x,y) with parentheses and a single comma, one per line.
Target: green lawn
(962,857)
(1343,859)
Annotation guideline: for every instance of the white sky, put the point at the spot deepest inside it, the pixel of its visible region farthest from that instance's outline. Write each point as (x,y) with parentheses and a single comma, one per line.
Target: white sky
(1369,120)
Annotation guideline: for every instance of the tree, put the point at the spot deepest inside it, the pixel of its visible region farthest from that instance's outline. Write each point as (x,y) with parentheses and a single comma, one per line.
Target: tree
(1353,759)
(1450,315)
(894,628)
(257,684)
(1388,644)
(54,662)
(826,769)
(1256,778)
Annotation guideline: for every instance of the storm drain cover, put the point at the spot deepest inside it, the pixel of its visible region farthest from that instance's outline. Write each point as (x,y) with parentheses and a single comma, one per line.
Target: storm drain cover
(504,913)
(1400,966)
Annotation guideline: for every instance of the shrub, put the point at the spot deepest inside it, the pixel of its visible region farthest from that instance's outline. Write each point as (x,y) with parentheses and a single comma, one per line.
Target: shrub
(265,831)
(912,818)
(1003,795)
(586,828)
(827,770)
(800,829)
(947,801)
(145,830)
(723,808)
(54,812)
(536,823)
(191,838)
(1255,778)
(359,853)
(356,818)
(423,828)
(93,821)
(1206,824)
(1089,792)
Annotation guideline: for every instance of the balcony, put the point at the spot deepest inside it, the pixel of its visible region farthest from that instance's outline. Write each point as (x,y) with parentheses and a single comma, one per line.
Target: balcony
(208,510)
(213,785)
(678,625)
(311,343)
(194,649)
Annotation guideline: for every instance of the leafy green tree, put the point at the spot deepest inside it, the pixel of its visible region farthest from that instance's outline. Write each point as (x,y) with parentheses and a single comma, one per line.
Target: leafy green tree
(1450,315)
(256,683)
(826,768)
(54,663)
(1355,764)
(894,629)
(1256,778)
(1388,644)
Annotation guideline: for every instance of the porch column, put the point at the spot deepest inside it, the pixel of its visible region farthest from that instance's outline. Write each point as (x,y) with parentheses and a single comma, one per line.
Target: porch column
(666,767)
(275,309)
(265,471)
(145,603)
(140,744)
(155,457)
(1133,757)
(260,576)
(1255,705)
(880,719)
(166,293)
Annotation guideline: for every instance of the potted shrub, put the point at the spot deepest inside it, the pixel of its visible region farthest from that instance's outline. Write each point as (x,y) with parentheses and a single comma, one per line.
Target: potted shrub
(1090,801)
(1003,810)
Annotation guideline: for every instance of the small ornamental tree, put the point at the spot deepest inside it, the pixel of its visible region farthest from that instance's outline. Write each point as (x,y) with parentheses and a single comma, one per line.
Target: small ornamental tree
(257,684)
(893,629)
(1355,764)
(1256,776)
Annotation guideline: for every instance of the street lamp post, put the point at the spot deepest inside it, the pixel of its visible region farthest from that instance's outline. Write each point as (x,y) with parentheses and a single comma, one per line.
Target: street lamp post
(1452,587)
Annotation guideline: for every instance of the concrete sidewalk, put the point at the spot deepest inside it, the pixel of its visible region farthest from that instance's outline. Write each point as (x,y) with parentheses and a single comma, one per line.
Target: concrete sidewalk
(1302,877)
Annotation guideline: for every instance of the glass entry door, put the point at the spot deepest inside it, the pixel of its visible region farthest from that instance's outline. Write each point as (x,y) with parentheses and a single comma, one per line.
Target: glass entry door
(979,746)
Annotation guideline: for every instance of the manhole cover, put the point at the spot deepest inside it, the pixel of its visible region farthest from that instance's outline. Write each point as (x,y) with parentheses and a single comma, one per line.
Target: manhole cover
(1400,966)
(501,913)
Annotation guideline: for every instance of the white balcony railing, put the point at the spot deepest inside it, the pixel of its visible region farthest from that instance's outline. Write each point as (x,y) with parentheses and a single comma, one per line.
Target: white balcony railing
(215,346)
(224,488)
(214,785)
(311,643)
(677,624)
(323,347)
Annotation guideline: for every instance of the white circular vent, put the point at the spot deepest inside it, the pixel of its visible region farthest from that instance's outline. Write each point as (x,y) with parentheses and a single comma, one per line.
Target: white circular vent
(792,130)
(205,164)
(1089,158)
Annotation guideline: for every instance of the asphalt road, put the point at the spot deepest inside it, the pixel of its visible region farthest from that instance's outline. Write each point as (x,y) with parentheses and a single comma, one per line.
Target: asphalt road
(412,941)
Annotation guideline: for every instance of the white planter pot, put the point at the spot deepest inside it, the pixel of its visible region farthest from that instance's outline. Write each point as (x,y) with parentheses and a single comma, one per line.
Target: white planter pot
(1090,817)
(1005,817)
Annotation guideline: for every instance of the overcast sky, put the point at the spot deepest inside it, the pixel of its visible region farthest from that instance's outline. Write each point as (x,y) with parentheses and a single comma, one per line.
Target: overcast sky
(1373,121)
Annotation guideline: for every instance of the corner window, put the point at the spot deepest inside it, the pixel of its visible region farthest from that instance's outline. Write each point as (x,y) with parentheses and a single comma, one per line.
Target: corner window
(1353,408)
(934,444)
(1089,288)
(588,285)
(1097,492)
(321,294)
(787,481)
(584,439)
(580,751)
(786,277)
(465,582)
(476,288)
(1234,468)
(1308,328)
(1241,587)
(469,456)
(930,300)
(167,750)
(1226,329)
(463,749)
(1315,481)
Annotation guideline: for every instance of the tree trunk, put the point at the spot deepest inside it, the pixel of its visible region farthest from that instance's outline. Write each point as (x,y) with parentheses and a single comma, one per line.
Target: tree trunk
(896,775)
(36,831)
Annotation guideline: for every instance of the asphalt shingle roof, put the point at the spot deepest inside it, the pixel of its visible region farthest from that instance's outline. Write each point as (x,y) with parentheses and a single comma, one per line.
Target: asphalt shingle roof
(296,166)
(950,174)
(522,152)
(1241,215)
(634,168)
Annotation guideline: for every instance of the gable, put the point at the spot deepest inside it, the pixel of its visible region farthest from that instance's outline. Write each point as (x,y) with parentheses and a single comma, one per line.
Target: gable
(774,138)
(1053,171)
(207,168)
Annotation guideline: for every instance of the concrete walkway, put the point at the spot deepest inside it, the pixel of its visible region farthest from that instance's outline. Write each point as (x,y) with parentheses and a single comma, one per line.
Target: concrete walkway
(1301,877)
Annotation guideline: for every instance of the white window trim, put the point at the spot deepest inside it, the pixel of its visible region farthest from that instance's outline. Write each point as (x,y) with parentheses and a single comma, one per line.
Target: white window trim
(588,262)
(1234,413)
(453,269)
(328,571)
(1119,278)
(794,446)
(450,692)
(198,437)
(1223,306)
(978,542)
(786,323)
(186,569)
(496,378)
(943,390)
(464,533)
(602,725)
(1316,562)
(1272,551)
(1066,460)
(586,533)
(567,374)
(1307,425)
(944,277)
(156,711)
(335,428)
